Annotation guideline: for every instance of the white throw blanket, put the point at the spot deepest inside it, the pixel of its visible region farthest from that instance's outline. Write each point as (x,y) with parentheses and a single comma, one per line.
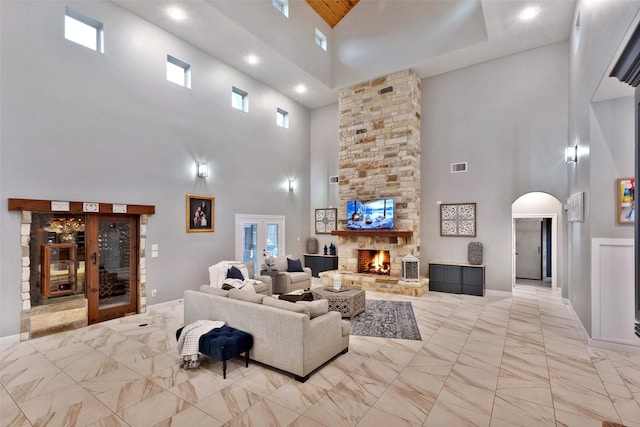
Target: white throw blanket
(218,276)
(189,340)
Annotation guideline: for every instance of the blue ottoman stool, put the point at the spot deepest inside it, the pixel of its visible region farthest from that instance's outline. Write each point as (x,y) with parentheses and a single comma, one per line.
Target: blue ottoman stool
(223,344)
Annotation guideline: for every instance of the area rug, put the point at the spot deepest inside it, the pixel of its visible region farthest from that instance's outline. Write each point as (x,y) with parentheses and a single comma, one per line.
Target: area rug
(386,319)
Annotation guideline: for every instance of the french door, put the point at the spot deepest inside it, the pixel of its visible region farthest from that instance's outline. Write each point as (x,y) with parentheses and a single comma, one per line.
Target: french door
(111,266)
(258,237)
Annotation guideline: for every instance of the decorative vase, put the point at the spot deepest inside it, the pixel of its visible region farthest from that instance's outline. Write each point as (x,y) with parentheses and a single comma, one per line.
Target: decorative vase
(312,245)
(474,253)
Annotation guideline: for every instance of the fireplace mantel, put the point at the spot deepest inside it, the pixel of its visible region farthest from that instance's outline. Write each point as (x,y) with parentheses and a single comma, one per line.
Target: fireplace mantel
(372,233)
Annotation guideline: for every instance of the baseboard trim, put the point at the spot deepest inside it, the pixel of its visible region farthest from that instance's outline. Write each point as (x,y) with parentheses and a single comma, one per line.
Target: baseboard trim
(9,339)
(606,345)
(491,292)
(164,305)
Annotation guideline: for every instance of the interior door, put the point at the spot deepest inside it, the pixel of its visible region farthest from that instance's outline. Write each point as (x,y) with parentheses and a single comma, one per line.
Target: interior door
(111,266)
(258,237)
(529,248)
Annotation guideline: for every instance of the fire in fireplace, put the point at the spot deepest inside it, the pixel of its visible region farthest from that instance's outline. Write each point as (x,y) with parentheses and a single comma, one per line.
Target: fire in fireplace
(374,262)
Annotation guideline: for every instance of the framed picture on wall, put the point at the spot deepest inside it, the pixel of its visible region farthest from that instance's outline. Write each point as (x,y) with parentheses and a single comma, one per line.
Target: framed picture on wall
(458,220)
(200,213)
(626,200)
(326,220)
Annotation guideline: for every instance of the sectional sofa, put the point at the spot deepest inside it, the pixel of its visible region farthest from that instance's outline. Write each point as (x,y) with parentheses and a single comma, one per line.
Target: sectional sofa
(288,336)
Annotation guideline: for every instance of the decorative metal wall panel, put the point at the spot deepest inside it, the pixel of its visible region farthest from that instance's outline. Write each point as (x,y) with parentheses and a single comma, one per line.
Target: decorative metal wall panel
(458,220)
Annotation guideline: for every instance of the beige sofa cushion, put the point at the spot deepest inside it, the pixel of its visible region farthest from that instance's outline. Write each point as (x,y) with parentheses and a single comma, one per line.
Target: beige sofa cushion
(297,277)
(246,296)
(214,291)
(316,308)
(286,305)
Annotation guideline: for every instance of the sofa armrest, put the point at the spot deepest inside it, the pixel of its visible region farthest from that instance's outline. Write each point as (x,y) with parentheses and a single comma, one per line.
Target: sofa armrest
(324,339)
(267,281)
(308,271)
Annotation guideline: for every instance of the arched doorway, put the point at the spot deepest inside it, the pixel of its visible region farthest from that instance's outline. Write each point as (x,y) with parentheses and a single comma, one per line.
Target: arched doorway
(535,235)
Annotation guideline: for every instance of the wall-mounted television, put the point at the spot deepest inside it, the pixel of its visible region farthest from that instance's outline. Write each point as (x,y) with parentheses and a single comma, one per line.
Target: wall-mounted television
(370,215)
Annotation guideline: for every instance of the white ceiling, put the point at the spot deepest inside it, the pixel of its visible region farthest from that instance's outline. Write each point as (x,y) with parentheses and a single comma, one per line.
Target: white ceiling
(375,38)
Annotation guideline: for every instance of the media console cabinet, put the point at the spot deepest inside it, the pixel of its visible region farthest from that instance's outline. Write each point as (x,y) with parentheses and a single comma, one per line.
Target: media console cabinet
(319,263)
(456,278)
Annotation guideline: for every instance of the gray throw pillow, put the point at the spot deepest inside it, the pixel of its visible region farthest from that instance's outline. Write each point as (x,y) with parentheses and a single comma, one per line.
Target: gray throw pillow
(213,290)
(285,305)
(316,308)
(246,296)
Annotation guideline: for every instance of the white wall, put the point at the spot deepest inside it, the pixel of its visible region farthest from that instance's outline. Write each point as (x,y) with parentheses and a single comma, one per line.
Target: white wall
(508,119)
(612,146)
(79,125)
(325,143)
(603,25)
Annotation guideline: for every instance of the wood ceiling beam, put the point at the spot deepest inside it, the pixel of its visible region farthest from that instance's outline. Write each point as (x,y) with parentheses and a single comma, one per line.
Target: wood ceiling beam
(332,11)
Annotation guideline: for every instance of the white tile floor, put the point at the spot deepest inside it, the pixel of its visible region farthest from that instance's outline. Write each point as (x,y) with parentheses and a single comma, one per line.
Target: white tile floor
(492,361)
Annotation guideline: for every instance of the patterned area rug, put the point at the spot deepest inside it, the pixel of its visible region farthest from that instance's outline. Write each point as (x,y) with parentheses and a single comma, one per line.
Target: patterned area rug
(387,319)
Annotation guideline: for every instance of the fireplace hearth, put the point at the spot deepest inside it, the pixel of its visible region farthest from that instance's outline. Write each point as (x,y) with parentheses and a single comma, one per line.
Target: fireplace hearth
(373,261)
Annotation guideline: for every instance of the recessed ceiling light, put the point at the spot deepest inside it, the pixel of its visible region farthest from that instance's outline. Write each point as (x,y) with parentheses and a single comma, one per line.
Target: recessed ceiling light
(252,59)
(176,13)
(301,88)
(529,13)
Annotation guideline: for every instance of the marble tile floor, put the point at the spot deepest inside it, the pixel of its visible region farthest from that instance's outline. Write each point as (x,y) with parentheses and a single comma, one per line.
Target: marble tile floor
(493,361)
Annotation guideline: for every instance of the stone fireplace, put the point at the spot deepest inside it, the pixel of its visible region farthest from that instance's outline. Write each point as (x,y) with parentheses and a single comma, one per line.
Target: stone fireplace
(379,158)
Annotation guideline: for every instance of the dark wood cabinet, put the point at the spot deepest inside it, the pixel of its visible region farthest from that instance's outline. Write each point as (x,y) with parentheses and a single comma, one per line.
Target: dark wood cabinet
(320,263)
(457,278)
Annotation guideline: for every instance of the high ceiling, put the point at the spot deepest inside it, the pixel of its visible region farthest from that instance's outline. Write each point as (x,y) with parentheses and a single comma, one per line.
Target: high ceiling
(376,37)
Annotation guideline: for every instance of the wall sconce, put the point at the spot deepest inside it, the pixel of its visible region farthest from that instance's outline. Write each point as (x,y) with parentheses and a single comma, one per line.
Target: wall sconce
(292,184)
(203,170)
(571,154)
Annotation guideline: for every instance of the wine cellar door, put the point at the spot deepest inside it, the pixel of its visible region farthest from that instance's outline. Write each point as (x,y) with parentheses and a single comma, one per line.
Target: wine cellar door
(111,266)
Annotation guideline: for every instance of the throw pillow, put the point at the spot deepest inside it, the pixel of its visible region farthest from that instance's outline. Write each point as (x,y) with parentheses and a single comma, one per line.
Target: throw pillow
(294,265)
(213,290)
(246,296)
(270,301)
(316,308)
(234,273)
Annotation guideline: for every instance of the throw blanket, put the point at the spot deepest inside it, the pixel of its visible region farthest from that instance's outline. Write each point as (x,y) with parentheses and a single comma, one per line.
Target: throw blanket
(218,276)
(189,341)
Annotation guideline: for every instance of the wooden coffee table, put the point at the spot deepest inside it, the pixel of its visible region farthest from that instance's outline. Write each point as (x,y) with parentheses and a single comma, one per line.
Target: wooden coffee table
(349,301)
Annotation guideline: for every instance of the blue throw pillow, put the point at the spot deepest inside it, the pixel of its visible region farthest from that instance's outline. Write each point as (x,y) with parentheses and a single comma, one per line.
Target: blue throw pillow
(294,265)
(234,273)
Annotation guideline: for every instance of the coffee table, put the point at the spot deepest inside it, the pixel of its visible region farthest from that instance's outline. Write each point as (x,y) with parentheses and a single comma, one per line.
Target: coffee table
(350,301)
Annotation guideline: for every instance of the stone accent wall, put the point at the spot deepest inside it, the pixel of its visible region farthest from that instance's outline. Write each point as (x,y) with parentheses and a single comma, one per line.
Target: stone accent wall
(379,157)
(71,314)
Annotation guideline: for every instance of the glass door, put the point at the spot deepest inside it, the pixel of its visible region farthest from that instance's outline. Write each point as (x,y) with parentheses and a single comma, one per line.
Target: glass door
(112,282)
(259,237)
